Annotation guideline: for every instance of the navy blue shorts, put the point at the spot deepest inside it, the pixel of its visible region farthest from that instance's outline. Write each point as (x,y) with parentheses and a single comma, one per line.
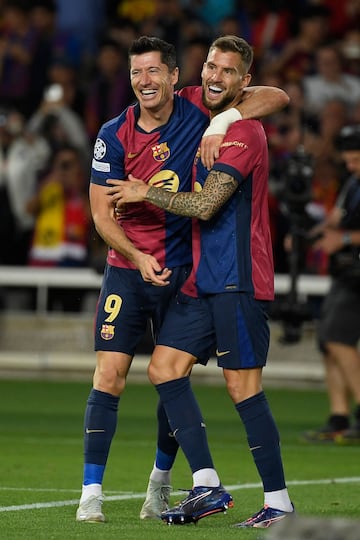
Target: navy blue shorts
(127,303)
(234,323)
(188,327)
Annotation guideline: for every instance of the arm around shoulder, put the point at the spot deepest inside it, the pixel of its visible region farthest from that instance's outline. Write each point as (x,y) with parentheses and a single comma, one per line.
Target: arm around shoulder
(261,101)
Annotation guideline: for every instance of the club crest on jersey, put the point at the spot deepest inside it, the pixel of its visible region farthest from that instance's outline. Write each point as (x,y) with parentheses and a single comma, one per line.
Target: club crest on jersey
(107,331)
(161,152)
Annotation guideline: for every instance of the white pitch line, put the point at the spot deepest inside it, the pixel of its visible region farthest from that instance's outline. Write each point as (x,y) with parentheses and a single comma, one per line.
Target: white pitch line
(53,490)
(71,502)
(129,496)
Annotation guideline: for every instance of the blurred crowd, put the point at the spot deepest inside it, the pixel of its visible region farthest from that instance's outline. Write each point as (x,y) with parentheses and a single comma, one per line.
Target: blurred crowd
(64,72)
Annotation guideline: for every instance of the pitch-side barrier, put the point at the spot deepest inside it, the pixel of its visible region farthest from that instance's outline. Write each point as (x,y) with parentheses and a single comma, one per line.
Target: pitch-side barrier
(43,279)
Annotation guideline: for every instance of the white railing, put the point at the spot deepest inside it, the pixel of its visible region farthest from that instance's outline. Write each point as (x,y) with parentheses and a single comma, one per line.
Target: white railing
(42,279)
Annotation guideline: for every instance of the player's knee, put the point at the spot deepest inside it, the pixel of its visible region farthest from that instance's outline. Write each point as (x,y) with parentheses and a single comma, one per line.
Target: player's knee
(151,373)
(156,374)
(168,364)
(115,388)
(161,373)
(108,380)
(242,384)
(234,392)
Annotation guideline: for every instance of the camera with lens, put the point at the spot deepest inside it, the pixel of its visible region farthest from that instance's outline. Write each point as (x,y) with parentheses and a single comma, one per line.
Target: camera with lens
(296,181)
(294,193)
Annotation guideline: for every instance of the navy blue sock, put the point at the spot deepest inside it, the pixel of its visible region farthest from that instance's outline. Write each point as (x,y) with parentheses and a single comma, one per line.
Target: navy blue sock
(167,445)
(186,421)
(100,426)
(263,439)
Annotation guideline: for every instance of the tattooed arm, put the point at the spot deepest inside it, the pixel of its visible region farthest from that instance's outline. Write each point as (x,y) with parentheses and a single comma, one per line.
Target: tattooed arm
(217,189)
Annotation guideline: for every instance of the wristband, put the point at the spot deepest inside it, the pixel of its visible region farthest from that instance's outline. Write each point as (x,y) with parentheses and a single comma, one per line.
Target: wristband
(346,239)
(220,123)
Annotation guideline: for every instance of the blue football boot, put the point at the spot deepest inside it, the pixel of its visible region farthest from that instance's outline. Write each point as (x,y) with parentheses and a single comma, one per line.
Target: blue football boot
(200,502)
(264,518)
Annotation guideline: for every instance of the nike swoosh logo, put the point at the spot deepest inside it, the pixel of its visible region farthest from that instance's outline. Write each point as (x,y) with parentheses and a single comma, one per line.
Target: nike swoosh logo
(94,430)
(131,155)
(254,448)
(221,353)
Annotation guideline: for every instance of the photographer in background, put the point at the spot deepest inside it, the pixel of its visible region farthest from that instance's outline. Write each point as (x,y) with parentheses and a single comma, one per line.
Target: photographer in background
(339,325)
(59,124)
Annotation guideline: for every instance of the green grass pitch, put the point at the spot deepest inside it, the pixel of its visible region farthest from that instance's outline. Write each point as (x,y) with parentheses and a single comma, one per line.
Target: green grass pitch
(41,463)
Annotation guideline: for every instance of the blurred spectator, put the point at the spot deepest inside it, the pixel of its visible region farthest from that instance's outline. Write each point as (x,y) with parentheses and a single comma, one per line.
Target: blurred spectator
(326,184)
(85,19)
(297,112)
(18,45)
(61,209)
(193,28)
(332,117)
(174,21)
(23,157)
(343,16)
(350,49)
(239,23)
(121,30)
(135,10)
(192,61)
(59,124)
(330,81)
(62,221)
(355,116)
(65,74)
(297,58)
(165,23)
(109,91)
(288,129)
(270,29)
(54,45)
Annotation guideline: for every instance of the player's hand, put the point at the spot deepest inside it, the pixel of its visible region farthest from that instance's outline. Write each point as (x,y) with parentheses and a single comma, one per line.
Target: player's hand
(127,191)
(151,270)
(209,149)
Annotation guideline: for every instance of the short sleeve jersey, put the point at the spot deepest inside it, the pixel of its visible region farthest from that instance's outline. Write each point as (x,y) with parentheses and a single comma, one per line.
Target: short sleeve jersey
(233,250)
(163,157)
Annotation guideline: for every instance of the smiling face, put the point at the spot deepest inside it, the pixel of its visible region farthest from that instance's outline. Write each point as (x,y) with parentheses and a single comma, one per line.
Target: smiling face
(224,77)
(152,82)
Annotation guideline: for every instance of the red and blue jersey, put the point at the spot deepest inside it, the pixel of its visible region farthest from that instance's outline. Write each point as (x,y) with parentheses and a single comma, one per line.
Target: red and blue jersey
(232,252)
(164,157)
